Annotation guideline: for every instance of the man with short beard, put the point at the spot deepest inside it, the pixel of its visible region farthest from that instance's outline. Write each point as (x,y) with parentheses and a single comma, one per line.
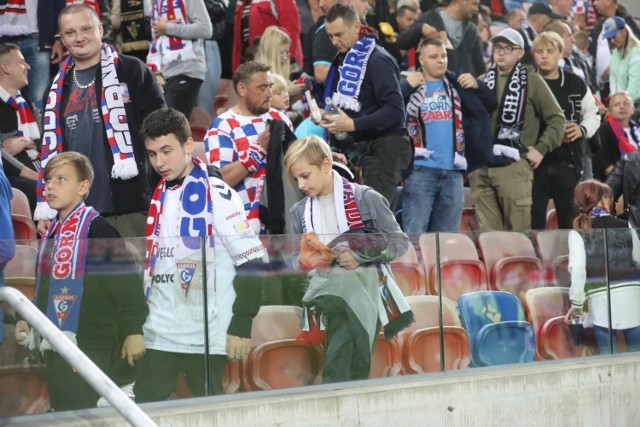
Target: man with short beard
(238,139)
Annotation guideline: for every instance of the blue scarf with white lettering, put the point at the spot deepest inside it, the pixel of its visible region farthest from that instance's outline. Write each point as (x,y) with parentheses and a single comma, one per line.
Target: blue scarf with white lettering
(66,266)
(196,210)
(351,72)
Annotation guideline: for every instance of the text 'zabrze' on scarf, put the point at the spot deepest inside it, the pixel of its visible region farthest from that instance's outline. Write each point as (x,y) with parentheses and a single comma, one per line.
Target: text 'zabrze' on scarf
(114,116)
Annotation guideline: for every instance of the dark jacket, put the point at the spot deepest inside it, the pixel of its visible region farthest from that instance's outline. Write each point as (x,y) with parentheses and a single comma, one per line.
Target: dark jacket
(382,108)
(132,195)
(113,305)
(609,153)
(468,57)
(625,180)
(9,125)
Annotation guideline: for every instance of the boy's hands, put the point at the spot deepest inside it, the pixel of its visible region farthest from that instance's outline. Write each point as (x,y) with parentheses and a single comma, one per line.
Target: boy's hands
(237,347)
(43,226)
(345,259)
(21,331)
(133,348)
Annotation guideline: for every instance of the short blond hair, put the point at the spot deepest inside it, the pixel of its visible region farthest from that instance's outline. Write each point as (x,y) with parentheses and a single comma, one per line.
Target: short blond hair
(80,163)
(279,83)
(549,38)
(312,149)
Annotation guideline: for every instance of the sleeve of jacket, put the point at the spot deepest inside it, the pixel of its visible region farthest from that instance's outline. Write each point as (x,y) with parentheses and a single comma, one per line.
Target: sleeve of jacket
(412,36)
(199,26)
(487,96)
(633,84)
(125,287)
(143,87)
(614,180)
(590,118)
(386,223)
(477,56)
(550,114)
(607,155)
(384,74)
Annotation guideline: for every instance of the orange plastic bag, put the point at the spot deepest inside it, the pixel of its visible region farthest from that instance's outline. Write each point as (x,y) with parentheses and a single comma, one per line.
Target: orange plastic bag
(314,253)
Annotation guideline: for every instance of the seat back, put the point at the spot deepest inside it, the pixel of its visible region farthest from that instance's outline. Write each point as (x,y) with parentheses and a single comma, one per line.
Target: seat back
(504,343)
(485,308)
(20,272)
(460,269)
(427,313)
(20,203)
(199,122)
(23,390)
(408,273)
(275,322)
(552,245)
(199,150)
(496,245)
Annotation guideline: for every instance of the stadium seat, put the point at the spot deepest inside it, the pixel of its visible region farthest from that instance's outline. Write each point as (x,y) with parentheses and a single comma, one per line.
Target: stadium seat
(23,226)
(219,102)
(553,248)
(408,273)
(498,333)
(277,360)
(20,272)
(386,358)
(552,220)
(546,308)
(511,262)
(460,269)
(199,122)
(420,342)
(23,390)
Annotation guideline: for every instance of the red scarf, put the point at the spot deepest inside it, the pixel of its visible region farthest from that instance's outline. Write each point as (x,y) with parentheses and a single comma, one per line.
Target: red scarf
(624,145)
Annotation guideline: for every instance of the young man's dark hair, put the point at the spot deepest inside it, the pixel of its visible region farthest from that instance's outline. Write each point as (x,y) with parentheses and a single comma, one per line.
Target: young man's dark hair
(344,11)
(401,11)
(245,71)
(165,121)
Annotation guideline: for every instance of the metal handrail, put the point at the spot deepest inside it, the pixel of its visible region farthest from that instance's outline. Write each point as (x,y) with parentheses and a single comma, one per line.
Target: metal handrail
(76,358)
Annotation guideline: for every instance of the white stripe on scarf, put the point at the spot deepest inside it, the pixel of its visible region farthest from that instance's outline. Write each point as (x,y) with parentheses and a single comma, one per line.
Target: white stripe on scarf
(338,199)
(346,96)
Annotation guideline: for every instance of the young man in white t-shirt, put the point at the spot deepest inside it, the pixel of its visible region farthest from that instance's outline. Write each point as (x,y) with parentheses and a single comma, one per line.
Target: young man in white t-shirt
(192,206)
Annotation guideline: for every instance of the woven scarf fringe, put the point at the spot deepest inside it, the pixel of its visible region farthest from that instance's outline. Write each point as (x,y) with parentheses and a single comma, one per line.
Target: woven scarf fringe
(346,102)
(46,346)
(459,161)
(43,211)
(124,169)
(394,327)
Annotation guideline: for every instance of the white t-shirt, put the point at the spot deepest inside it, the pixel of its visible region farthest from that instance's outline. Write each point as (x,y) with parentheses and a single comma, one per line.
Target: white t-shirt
(603,57)
(176,315)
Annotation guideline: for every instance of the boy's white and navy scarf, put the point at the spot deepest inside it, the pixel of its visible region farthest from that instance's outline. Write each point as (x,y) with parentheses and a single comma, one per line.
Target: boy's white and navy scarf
(416,124)
(350,73)
(511,112)
(27,125)
(191,207)
(112,98)
(392,304)
(166,49)
(65,265)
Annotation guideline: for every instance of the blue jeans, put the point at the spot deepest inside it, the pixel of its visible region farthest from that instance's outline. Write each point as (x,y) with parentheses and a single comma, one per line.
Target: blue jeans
(631,337)
(432,200)
(38,60)
(209,88)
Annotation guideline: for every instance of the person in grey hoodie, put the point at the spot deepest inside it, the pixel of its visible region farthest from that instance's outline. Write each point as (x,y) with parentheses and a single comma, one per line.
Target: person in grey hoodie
(177,49)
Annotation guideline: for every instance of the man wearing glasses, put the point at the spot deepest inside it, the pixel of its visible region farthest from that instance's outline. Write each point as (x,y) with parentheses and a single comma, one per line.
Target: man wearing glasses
(527,125)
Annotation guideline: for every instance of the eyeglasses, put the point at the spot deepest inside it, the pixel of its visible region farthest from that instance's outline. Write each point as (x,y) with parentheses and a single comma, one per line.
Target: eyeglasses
(504,49)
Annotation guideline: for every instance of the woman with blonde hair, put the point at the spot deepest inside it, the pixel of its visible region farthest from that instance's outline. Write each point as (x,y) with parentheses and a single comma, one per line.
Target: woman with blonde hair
(274,50)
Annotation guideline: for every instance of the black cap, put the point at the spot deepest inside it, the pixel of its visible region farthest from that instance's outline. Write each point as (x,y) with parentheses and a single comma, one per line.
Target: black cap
(543,9)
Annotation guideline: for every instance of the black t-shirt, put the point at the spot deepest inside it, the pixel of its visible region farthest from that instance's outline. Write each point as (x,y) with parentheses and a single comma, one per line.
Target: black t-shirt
(84,132)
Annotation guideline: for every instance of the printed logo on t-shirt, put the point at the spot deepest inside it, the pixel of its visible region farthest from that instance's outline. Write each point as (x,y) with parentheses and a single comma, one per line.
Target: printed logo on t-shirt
(436,108)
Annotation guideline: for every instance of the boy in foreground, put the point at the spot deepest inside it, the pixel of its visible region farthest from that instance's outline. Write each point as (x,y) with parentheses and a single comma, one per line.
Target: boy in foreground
(191,202)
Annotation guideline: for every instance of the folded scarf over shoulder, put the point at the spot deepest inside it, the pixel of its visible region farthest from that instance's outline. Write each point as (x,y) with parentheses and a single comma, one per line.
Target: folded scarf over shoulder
(370,292)
(166,49)
(624,144)
(114,117)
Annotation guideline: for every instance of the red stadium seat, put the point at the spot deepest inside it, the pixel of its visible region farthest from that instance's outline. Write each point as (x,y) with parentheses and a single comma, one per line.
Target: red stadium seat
(511,262)
(408,273)
(553,248)
(199,150)
(277,360)
(546,307)
(199,122)
(385,360)
(20,272)
(23,390)
(420,342)
(460,269)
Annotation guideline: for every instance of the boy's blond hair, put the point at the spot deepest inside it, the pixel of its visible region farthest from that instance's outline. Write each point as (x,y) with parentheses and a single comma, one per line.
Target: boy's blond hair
(279,83)
(78,161)
(312,149)
(549,38)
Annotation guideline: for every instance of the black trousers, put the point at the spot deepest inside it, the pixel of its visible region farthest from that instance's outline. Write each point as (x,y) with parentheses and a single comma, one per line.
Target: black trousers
(67,389)
(387,160)
(180,93)
(157,372)
(555,181)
